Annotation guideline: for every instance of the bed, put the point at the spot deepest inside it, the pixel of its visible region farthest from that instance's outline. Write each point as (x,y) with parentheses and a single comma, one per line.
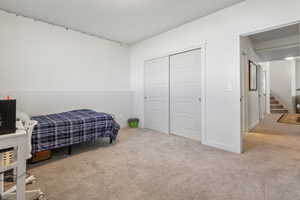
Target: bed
(65,129)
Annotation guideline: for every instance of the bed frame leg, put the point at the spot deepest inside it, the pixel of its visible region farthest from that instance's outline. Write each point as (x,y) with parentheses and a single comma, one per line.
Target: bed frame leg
(70,149)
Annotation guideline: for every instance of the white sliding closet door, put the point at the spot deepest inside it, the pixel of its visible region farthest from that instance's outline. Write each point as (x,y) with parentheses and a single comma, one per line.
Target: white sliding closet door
(185,94)
(156,99)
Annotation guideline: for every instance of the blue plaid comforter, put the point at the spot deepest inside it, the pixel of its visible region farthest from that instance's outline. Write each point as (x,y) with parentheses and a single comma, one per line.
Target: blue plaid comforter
(67,128)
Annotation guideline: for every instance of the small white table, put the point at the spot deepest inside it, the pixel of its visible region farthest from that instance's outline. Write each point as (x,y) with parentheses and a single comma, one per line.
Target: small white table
(17,140)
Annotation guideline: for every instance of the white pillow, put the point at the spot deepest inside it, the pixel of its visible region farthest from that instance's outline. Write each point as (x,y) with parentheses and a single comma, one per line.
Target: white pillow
(22,116)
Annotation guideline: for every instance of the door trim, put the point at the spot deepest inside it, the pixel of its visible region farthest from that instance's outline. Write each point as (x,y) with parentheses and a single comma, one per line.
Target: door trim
(246,34)
(203,84)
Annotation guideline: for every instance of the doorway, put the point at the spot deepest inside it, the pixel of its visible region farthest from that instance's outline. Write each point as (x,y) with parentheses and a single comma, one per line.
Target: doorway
(269,80)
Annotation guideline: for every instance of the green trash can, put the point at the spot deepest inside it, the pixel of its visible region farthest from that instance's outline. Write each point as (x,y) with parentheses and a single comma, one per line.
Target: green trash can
(133,122)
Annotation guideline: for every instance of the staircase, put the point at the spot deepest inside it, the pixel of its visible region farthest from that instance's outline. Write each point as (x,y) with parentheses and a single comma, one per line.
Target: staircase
(276,106)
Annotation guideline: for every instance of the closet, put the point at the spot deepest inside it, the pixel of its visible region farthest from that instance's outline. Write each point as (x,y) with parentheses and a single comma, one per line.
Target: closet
(173,94)
(156,95)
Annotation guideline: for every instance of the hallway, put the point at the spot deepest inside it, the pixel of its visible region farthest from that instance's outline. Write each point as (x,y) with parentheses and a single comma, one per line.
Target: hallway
(271,132)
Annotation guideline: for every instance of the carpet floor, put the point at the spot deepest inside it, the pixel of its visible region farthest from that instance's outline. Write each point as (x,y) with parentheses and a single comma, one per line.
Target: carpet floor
(146,165)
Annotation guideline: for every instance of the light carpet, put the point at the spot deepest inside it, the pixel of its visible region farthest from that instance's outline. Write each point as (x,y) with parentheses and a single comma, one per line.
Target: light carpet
(146,165)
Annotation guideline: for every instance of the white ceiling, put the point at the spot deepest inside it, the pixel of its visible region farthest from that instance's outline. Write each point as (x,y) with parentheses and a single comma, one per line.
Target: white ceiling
(276,33)
(126,21)
(277,44)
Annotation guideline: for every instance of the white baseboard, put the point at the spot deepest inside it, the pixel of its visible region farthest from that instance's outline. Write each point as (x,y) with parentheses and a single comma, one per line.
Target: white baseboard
(253,125)
(224,147)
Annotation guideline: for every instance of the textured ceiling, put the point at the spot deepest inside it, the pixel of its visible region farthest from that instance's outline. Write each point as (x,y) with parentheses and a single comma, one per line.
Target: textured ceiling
(277,44)
(276,33)
(126,21)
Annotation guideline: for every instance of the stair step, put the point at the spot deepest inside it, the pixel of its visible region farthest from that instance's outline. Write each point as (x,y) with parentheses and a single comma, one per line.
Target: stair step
(279,110)
(274,102)
(274,106)
(272,98)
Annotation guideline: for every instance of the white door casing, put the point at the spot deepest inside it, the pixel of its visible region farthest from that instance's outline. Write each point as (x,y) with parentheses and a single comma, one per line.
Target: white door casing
(264,93)
(244,93)
(185,94)
(156,94)
(260,87)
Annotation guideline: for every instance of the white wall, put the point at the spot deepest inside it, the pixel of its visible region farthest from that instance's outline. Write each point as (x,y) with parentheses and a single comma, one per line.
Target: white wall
(221,31)
(266,69)
(297,77)
(252,96)
(34,103)
(72,70)
(281,73)
(293,78)
(298,74)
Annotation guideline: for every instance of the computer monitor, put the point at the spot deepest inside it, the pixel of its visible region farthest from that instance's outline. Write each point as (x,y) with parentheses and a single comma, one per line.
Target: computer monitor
(7,116)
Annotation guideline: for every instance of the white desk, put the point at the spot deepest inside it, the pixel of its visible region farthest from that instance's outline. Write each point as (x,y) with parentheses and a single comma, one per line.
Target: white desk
(17,140)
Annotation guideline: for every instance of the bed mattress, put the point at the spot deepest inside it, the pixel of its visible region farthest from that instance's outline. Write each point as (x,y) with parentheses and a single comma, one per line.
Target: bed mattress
(73,127)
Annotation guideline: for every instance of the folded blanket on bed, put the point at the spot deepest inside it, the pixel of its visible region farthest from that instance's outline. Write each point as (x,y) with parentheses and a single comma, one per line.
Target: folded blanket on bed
(73,127)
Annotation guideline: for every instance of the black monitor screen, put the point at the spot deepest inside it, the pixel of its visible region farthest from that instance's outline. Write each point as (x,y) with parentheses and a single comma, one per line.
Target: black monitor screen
(7,116)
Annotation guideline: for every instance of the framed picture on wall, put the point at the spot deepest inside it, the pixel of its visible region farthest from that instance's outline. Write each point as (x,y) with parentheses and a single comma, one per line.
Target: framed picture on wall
(252,76)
